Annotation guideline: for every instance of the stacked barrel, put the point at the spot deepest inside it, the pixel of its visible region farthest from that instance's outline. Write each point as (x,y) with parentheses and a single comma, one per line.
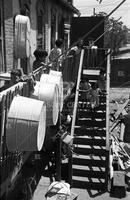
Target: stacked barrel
(28,117)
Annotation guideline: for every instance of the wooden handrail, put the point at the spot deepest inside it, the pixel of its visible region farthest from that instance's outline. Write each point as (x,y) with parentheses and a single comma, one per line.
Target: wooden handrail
(77,93)
(107,100)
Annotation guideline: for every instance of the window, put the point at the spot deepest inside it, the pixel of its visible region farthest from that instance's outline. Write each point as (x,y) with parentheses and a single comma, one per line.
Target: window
(61,27)
(1,39)
(39,29)
(121,73)
(53,27)
(41,16)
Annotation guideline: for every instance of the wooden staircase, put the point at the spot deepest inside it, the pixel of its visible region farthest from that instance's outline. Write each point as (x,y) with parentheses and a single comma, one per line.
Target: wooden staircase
(89,168)
(90,163)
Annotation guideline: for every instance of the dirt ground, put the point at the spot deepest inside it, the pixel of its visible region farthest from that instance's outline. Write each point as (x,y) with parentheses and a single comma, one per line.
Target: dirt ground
(119,94)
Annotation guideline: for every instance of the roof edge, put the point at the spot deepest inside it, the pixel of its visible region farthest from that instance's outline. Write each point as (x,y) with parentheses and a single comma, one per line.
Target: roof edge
(71,7)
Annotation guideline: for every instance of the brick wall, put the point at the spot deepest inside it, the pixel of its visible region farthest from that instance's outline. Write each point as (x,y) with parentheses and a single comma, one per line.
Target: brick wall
(9,34)
(11,7)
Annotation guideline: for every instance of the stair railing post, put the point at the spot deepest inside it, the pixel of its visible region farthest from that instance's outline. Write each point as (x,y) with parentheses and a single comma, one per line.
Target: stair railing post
(107,100)
(77,92)
(58,161)
(107,117)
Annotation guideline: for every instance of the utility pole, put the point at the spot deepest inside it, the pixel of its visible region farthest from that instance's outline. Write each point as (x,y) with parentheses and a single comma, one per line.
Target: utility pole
(94,12)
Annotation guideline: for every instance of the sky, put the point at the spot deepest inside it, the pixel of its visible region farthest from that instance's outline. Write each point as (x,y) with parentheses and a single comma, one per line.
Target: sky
(86,8)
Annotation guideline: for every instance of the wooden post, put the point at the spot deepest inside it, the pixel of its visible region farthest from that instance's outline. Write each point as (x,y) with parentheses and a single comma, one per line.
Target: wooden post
(70,170)
(77,92)
(58,160)
(107,100)
(107,118)
(58,153)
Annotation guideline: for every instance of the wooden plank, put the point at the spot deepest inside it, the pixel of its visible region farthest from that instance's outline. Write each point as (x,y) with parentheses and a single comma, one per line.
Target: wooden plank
(107,100)
(77,92)
(90,123)
(87,141)
(5,76)
(91,72)
(91,132)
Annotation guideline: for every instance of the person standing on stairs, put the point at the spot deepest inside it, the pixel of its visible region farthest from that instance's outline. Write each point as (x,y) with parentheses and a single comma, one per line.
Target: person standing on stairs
(94,95)
(86,89)
(92,54)
(75,52)
(56,55)
(102,80)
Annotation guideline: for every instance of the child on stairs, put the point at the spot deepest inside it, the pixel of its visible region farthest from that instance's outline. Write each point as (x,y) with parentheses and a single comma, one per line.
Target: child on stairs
(94,95)
(85,87)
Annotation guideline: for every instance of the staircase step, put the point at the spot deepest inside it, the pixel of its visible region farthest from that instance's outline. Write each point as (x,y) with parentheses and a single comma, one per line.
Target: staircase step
(90,160)
(89,141)
(102,107)
(102,99)
(82,105)
(90,123)
(86,113)
(99,185)
(90,150)
(89,173)
(92,77)
(88,131)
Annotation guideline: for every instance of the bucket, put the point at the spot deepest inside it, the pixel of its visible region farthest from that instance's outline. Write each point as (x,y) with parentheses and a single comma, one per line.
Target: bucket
(26,124)
(55,79)
(49,93)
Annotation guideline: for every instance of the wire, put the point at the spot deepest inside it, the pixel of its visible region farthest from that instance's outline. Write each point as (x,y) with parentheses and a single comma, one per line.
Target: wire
(112,3)
(85,35)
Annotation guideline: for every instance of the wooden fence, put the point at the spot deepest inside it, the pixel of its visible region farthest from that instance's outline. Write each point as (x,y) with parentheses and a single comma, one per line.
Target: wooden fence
(11,162)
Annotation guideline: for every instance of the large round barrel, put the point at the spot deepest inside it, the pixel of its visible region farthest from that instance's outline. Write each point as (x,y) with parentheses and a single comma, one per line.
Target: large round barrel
(54,78)
(22,36)
(49,94)
(26,124)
